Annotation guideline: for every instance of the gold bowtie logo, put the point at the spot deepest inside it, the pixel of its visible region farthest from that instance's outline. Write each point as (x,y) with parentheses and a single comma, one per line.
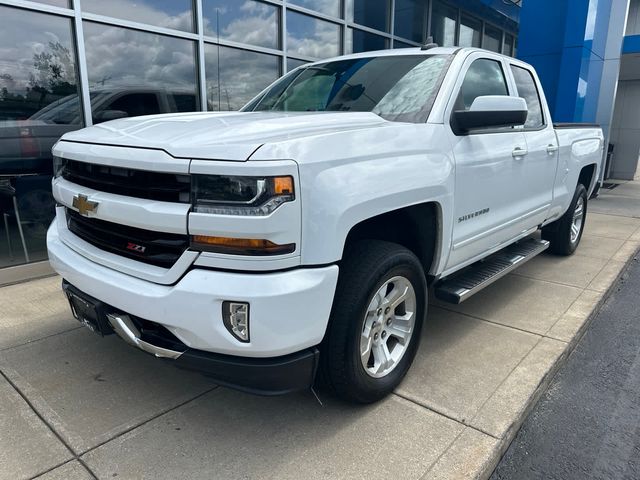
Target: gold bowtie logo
(84,205)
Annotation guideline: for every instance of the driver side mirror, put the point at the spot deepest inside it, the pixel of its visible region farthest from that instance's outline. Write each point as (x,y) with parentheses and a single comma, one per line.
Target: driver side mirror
(107,115)
(490,111)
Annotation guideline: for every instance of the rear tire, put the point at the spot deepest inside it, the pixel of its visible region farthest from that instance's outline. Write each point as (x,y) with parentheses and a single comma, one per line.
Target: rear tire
(375,323)
(566,232)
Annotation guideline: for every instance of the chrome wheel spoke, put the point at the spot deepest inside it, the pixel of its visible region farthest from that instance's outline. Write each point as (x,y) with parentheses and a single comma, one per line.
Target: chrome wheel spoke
(578,218)
(398,294)
(365,353)
(388,326)
(382,358)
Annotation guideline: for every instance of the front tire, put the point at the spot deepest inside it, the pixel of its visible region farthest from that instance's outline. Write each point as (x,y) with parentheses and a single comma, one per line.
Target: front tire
(566,232)
(375,323)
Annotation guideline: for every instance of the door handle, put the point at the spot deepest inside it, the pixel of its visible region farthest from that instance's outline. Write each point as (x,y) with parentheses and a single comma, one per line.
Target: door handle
(519,152)
(551,148)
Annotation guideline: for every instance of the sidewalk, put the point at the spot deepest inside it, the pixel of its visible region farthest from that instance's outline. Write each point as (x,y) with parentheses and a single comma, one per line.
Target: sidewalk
(585,426)
(77,406)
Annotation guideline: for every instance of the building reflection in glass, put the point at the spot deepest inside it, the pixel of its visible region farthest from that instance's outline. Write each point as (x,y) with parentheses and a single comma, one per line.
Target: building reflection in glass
(38,103)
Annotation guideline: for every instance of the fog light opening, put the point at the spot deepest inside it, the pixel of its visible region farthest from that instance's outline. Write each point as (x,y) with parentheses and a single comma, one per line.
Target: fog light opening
(235,316)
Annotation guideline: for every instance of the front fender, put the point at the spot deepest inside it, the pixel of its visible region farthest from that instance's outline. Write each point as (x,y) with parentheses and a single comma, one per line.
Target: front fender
(369,176)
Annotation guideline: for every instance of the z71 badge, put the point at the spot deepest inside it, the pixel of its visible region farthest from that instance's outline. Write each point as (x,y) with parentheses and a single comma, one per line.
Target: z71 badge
(473,215)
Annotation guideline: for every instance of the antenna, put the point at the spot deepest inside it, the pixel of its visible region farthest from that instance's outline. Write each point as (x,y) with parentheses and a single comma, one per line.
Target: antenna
(429,44)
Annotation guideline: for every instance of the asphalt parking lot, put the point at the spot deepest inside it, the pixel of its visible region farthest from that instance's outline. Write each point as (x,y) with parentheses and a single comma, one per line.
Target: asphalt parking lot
(78,406)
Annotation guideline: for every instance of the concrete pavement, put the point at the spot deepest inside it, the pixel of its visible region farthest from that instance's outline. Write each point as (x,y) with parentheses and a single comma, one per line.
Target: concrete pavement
(78,406)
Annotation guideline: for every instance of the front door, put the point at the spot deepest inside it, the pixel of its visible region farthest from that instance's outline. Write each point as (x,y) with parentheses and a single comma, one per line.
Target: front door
(491,174)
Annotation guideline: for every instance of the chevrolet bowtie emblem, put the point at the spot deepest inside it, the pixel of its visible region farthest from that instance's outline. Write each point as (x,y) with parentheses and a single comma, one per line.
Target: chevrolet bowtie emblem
(84,205)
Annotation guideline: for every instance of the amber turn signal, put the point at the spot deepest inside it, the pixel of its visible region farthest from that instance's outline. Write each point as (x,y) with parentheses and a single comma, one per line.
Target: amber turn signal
(283,185)
(240,246)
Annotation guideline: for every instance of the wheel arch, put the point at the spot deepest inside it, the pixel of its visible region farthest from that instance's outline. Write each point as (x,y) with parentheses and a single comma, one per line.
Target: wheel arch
(587,177)
(417,227)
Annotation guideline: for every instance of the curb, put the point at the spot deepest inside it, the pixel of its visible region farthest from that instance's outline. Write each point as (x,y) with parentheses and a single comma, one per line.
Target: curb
(491,464)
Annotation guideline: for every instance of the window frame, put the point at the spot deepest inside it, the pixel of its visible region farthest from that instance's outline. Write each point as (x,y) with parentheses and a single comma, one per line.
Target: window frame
(455,91)
(537,86)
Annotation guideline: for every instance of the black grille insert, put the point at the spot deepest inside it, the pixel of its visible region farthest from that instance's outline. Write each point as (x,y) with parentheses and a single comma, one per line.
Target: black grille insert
(156,248)
(165,187)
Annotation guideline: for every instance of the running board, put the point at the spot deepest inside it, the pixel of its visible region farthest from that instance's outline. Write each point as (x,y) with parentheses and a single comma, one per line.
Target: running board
(481,274)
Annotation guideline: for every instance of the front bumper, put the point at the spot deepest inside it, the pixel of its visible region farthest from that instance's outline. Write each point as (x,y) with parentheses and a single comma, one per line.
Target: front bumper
(289,310)
(264,376)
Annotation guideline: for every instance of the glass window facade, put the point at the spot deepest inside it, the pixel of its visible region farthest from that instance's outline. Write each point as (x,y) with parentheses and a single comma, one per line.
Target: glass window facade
(292,63)
(370,13)
(410,18)
(39,102)
(235,76)
(360,41)
(443,24)
(136,73)
(492,39)
(176,14)
(149,56)
(311,37)
(470,32)
(255,23)
(328,7)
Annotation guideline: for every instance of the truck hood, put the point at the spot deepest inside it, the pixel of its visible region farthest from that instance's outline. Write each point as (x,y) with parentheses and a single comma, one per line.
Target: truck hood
(220,136)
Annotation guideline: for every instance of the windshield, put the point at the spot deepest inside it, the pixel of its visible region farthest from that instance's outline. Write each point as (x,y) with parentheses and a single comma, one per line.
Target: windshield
(398,88)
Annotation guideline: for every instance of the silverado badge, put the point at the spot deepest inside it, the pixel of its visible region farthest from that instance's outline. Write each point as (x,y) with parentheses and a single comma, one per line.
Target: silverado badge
(84,205)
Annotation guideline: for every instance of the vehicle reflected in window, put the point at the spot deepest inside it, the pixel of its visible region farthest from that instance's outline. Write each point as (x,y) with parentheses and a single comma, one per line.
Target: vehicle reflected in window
(134,73)
(38,103)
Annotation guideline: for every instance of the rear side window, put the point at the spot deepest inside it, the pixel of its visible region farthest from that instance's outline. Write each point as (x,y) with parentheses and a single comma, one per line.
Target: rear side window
(527,89)
(185,102)
(136,104)
(484,77)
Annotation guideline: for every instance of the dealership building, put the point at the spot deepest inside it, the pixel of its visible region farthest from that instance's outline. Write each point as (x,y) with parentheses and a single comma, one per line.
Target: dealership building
(66,64)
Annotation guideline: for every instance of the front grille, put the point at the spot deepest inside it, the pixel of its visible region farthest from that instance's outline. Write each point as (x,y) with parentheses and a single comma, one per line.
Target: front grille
(165,187)
(156,248)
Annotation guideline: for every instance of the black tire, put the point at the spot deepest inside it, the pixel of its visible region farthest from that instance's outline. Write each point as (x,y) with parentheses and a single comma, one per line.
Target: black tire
(559,232)
(367,266)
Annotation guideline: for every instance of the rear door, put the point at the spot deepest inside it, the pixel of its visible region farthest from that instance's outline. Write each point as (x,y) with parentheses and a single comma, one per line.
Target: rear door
(541,162)
(489,177)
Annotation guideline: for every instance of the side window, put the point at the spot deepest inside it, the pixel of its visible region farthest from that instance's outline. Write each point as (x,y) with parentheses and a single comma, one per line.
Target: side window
(185,102)
(527,89)
(137,104)
(484,77)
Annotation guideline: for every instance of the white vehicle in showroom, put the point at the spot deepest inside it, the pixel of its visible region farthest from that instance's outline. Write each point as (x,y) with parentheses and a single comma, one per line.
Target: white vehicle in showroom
(295,240)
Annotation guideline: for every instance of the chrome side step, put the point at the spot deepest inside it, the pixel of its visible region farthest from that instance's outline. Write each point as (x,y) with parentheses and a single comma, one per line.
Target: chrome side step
(481,274)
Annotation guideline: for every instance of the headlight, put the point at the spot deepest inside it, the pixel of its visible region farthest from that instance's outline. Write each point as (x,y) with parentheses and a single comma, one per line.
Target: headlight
(232,195)
(58,166)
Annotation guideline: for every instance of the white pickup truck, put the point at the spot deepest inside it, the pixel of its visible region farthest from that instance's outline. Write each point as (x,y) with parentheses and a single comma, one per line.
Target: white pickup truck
(296,240)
